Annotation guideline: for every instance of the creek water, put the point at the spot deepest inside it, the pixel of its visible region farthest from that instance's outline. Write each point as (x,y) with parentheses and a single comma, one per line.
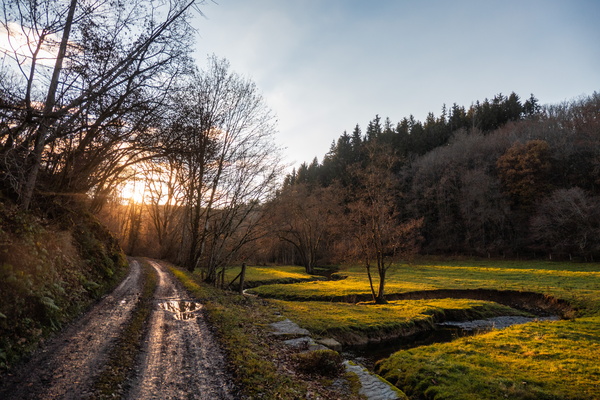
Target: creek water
(368,355)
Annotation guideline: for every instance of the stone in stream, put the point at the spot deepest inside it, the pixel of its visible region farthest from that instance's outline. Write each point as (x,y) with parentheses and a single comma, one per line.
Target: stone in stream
(288,328)
(330,343)
(374,387)
(304,343)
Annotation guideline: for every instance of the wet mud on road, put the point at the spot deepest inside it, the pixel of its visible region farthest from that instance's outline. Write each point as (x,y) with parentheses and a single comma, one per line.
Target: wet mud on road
(180,359)
(66,366)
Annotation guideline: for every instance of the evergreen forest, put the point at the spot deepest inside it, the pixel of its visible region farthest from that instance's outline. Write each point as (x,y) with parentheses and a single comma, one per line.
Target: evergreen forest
(502,178)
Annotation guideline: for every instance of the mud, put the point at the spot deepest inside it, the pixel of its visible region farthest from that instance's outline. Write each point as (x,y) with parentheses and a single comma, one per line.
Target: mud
(182,310)
(67,365)
(180,358)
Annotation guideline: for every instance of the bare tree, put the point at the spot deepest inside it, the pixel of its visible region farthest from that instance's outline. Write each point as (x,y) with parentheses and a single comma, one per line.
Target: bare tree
(382,239)
(307,218)
(87,80)
(222,136)
(164,204)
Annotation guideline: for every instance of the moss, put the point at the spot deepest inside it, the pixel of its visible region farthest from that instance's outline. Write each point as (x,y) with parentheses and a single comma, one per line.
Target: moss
(354,382)
(327,363)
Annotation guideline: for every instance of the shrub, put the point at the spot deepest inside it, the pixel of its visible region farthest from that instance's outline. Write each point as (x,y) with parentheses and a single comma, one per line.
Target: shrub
(327,363)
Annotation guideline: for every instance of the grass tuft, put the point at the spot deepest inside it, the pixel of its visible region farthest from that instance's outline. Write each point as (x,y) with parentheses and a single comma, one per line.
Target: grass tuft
(327,363)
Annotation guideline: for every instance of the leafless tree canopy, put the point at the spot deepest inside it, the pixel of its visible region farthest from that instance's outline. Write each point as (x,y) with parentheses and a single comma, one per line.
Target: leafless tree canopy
(84,85)
(221,147)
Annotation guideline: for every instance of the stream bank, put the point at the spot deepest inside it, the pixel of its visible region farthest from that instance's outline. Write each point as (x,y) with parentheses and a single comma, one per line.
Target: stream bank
(369,354)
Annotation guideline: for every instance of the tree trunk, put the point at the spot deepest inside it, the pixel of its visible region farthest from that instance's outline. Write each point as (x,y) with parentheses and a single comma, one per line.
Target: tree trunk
(371,282)
(242,278)
(381,293)
(40,139)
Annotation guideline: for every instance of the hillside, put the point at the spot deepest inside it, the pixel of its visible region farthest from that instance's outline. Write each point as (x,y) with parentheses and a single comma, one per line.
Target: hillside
(53,265)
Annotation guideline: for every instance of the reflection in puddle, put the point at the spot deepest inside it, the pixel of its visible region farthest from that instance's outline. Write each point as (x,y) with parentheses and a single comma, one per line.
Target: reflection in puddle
(182,310)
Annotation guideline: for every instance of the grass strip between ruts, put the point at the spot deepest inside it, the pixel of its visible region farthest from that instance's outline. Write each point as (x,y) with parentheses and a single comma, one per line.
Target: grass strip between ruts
(111,380)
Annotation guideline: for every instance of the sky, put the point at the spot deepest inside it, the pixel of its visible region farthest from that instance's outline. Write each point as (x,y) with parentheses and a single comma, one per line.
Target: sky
(324,66)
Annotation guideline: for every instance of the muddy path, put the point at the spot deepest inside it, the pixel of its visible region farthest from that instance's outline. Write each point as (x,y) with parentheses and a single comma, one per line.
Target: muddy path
(180,358)
(66,366)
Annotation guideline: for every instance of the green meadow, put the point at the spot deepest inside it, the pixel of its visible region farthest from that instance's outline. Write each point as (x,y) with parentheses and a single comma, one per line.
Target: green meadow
(350,322)
(256,276)
(577,283)
(543,360)
(538,360)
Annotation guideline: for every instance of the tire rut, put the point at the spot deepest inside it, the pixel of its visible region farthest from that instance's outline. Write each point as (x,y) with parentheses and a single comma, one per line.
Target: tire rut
(180,358)
(65,368)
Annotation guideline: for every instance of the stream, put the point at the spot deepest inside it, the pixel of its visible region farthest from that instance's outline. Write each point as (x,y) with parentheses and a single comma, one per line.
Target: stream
(368,355)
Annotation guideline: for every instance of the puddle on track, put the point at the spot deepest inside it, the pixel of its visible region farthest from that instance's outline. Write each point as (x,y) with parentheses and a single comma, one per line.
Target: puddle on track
(183,310)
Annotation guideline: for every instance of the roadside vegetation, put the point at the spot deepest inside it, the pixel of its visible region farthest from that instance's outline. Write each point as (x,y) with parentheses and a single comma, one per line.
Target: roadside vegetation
(262,367)
(120,365)
(50,272)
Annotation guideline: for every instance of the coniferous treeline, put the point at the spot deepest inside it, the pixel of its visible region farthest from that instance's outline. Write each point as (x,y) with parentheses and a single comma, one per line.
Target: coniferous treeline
(502,178)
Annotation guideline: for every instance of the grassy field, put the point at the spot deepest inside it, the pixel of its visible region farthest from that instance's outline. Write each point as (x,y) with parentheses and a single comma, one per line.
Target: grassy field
(541,360)
(577,283)
(349,322)
(557,360)
(256,276)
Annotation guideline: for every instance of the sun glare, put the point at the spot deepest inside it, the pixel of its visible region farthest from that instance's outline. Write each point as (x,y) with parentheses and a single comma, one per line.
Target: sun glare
(20,43)
(133,192)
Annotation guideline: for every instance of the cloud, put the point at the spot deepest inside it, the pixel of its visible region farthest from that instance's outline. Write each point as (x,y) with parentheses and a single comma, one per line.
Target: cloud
(325,66)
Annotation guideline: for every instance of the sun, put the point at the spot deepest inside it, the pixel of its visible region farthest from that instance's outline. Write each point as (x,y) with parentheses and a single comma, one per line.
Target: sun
(133,191)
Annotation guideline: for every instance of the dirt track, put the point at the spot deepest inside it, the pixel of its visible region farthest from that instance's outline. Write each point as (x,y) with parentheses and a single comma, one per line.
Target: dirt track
(65,367)
(180,359)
